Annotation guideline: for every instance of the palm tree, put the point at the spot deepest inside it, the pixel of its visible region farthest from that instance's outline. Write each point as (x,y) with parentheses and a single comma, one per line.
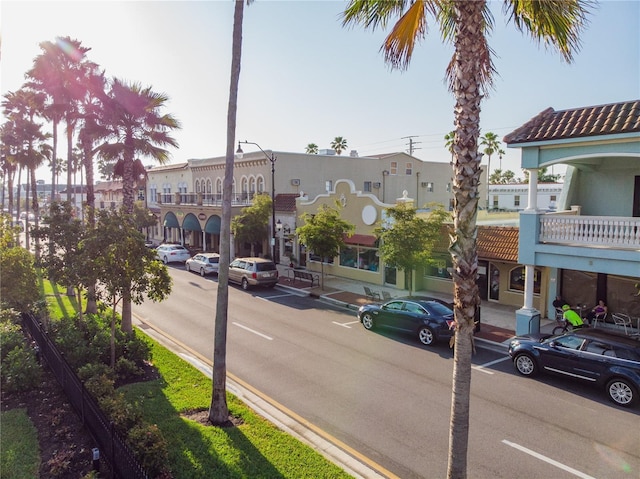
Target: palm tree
(466,25)
(339,144)
(449,139)
(218,409)
(132,115)
(57,71)
(491,145)
(312,149)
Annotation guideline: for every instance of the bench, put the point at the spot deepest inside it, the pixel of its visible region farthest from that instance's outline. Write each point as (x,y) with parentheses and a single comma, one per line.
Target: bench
(305,275)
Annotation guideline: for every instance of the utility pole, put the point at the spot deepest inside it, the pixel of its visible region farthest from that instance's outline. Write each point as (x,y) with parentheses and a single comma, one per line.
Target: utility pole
(412,148)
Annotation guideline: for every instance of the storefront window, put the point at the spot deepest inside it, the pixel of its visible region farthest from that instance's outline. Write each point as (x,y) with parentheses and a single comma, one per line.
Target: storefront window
(440,268)
(517,278)
(359,257)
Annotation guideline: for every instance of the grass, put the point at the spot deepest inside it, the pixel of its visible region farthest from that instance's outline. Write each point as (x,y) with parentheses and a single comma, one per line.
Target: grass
(19,456)
(254,449)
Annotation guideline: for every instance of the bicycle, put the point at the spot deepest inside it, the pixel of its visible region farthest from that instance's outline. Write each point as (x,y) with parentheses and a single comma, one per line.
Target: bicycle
(565,326)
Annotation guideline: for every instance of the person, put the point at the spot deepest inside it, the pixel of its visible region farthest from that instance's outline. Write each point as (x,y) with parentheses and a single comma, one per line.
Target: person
(598,309)
(571,317)
(559,302)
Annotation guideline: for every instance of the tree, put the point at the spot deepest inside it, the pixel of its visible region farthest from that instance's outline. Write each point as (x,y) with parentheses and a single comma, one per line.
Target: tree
(312,149)
(251,225)
(19,288)
(124,267)
(491,145)
(132,115)
(449,139)
(407,240)
(218,409)
(339,144)
(543,176)
(466,25)
(323,233)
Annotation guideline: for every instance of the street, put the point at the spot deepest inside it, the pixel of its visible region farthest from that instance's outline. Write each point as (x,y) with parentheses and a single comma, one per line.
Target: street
(388,398)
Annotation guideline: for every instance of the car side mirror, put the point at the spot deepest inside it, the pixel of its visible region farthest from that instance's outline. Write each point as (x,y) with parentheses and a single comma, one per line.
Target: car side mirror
(552,344)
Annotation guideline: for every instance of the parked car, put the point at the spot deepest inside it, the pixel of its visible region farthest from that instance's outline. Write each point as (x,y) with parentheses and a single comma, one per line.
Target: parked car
(249,272)
(595,356)
(428,320)
(203,263)
(172,253)
(449,304)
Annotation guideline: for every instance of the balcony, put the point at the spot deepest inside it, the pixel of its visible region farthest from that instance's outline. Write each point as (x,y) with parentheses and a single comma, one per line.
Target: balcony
(203,199)
(607,231)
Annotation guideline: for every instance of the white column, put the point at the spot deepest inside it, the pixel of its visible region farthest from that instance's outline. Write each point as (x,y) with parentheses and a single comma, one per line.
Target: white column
(533,190)
(529,271)
(204,241)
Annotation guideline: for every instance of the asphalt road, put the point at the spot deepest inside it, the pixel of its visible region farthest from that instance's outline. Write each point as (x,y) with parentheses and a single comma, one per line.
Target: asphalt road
(388,397)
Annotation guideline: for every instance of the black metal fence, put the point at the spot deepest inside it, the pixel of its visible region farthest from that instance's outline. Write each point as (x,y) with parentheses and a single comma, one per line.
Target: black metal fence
(113,449)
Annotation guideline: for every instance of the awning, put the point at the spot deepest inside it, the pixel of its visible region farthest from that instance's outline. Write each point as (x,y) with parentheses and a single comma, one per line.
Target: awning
(364,240)
(170,221)
(191,223)
(213,225)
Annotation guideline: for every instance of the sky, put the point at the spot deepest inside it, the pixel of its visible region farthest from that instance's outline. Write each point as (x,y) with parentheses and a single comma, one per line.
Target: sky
(307,79)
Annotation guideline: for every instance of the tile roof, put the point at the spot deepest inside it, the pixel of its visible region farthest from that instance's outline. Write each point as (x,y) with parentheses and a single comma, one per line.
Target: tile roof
(286,201)
(493,242)
(613,118)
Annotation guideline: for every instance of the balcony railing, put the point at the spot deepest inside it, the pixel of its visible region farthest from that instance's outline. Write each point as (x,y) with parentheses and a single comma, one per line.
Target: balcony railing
(203,199)
(613,231)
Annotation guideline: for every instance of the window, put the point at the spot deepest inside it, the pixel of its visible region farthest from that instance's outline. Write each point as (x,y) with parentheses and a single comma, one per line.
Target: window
(367,186)
(517,278)
(359,257)
(516,200)
(394,168)
(260,182)
(495,201)
(553,198)
(328,186)
(430,186)
(197,186)
(182,188)
(409,169)
(440,268)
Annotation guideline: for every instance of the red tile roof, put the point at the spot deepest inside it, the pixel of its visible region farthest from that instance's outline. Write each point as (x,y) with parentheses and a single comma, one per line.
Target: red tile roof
(493,242)
(286,201)
(613,118)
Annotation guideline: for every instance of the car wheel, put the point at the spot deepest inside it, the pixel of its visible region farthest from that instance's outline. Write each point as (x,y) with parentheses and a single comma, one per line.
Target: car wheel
(165,260)
(367,321)
(426,336)
(525,365)
(245,284)
(621,392)
(202,272)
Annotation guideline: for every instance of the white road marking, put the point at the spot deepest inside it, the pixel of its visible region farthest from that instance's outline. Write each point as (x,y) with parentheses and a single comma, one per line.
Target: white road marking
(548,460)
(253,331)
(482,367)
(345,325)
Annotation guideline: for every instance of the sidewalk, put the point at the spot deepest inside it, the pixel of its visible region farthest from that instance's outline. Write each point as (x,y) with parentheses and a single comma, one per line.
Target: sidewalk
(497,321)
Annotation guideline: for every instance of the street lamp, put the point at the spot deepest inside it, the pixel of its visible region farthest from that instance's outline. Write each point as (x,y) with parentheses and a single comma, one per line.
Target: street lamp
(272,159)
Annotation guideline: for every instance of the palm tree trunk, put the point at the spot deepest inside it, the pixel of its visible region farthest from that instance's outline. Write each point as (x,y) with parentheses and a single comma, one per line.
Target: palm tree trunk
(92,304)
(219,410)
(466,177)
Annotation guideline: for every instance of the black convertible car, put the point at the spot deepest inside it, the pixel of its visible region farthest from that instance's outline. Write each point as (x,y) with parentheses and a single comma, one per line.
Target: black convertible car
(607,360)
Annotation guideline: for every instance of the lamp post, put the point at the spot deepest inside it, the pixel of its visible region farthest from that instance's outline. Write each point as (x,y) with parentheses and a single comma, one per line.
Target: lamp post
(272,159)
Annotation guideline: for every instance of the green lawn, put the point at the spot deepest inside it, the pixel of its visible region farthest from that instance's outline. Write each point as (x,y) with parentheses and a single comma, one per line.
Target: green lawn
(254,449)
(19,454)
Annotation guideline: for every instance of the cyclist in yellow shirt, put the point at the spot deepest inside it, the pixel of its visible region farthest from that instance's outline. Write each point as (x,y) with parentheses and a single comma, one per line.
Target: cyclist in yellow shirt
(571,317)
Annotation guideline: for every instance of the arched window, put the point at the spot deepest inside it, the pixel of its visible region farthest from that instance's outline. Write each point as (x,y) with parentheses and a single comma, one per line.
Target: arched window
(219,186)
(209,187)
(252,184)
(245,184)
(197,186)
(260,188)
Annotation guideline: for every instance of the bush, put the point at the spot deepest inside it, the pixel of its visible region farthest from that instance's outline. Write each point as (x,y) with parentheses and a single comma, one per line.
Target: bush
(123,414)
(11,337)
(20,370)
(126,369)
(92,370)
(150,447)
(100,386)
